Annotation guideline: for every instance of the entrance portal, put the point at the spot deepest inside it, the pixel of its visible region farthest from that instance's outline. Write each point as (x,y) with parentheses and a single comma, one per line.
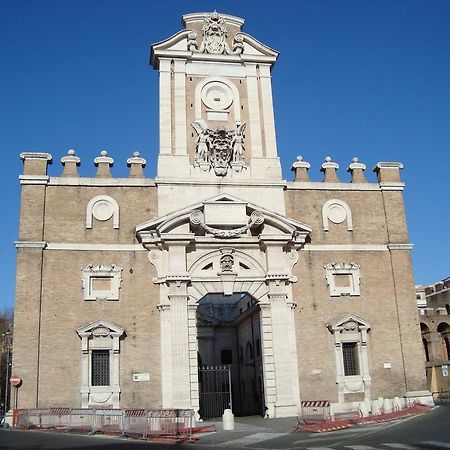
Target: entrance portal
(229,346)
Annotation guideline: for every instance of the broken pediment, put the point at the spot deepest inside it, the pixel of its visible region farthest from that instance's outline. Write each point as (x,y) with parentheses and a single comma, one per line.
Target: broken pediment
(212,36)
(223,217)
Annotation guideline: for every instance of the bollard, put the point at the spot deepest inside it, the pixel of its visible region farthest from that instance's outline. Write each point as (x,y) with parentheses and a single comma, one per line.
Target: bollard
(364,408)
(387,405)
(228,420)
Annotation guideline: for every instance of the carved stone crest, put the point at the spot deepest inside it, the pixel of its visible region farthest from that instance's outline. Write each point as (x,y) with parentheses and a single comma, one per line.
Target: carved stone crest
(214,35)
(215,38)
(219,148)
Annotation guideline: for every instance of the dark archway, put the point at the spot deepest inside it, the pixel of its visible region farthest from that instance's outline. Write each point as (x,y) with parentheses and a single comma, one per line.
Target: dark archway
(229,337)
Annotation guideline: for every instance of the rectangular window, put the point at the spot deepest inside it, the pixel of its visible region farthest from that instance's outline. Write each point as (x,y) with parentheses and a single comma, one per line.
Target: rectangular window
(100,368)
(350,356)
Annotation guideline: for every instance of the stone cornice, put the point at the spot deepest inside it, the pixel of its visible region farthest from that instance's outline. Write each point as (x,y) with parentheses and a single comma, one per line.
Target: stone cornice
(34,179)
(405,246)
(30,244)
(322,186)
(103,182)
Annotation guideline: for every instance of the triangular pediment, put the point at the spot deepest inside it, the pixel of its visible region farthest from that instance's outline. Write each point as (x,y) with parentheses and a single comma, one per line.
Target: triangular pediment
(350,320)
(102,327)
(225,213)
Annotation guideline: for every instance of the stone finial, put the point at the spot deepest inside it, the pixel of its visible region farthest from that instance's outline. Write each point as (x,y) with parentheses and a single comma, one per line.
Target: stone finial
(329,169)
(35,163)
(70,164)
(301,168)
(103,162)
(357,170)
(388,172)
(136,165)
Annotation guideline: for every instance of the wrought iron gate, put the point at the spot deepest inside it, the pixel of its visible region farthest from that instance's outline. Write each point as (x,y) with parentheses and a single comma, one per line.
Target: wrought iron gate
(215,390)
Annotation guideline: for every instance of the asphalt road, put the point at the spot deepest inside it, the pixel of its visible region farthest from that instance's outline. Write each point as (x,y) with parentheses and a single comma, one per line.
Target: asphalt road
(428,431)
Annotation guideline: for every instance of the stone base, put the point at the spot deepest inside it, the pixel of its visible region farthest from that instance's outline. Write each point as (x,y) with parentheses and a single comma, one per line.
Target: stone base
(423,397)
(285,411)
(9,418)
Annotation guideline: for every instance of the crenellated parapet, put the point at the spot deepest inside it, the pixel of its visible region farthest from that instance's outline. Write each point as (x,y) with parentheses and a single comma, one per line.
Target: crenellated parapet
(387,174)
(35,165)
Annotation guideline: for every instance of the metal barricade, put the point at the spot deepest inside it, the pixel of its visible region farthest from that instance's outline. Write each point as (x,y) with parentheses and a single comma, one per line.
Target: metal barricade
(135,422)
(145,423)
(315,410)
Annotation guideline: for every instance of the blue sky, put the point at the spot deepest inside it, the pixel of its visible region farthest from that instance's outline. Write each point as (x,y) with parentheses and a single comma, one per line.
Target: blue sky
(355,78)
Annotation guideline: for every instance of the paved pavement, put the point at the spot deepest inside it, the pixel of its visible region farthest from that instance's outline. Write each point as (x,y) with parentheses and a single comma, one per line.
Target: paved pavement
(428,431)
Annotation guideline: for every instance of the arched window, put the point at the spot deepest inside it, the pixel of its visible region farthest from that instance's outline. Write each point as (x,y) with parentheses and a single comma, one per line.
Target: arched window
(444,330)
(425,349)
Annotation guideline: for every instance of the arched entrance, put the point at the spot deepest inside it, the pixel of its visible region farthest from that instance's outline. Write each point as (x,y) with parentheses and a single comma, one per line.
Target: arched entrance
(229,345)
(227,247)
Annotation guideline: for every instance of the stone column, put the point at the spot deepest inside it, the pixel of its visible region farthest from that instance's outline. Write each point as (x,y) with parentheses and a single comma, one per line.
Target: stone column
(165,107)
(270,143)
(285,356)
(180,351)
(166,356)
(179,102)
(193,360)
(253,110)
(270,390)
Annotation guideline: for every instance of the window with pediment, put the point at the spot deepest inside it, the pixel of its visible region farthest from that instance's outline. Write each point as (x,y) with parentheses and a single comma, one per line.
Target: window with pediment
(352,364)
(100,364)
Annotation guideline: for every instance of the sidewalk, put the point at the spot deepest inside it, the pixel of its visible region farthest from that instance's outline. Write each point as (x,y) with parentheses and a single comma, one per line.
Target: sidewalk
(254,427)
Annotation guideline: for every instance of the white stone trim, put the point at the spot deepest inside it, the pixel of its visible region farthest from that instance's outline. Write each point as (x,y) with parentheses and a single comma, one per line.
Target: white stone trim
(112,273)
(405,246)
(388,165)
(270,142)
(90,210)
(30,244)
(208,68)
(350,269)
(179,104)
(34,179)
(346,247)
(224,182)
(351,328)
(235,104)
(254,113)
(103,182)
(93,247)
(36,155)
(200,17)
(322,186)
(392,186)
(100,335)
(327,214)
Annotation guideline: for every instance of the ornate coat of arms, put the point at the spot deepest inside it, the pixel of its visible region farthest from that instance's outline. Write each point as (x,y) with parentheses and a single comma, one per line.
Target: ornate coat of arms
(220,148)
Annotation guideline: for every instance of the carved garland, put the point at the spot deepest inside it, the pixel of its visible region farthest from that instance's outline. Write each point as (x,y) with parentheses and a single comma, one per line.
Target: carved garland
(197,218)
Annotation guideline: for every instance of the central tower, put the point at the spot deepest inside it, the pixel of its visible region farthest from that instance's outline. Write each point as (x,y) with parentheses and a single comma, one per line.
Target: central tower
(217,129)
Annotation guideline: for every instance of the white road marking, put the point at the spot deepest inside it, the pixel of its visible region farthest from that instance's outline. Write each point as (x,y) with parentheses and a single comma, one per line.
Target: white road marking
(252,439)
(400,446)
(360,447)
(436,444)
